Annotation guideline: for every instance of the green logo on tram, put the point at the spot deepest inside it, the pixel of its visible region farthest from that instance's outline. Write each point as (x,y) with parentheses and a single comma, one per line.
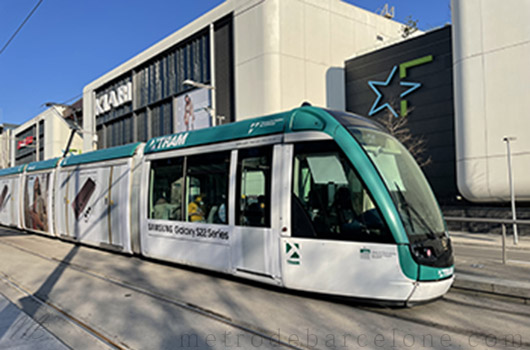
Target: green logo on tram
(293,253)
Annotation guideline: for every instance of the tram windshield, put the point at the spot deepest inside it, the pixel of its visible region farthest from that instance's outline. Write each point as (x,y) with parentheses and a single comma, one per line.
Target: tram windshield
(405,181)
(329,199)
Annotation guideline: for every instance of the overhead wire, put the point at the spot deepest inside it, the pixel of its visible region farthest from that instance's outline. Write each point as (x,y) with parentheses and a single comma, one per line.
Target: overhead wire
(21,25)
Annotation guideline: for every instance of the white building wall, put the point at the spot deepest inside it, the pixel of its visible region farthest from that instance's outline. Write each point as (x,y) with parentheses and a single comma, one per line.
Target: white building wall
(56,135)
(491,50)
(285,52)
(5,148)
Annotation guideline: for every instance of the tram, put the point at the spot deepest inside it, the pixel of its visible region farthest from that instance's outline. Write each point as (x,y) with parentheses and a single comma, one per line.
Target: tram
(310,199)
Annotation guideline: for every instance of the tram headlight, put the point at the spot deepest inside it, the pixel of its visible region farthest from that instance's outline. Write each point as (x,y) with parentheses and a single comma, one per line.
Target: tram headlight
(423,253)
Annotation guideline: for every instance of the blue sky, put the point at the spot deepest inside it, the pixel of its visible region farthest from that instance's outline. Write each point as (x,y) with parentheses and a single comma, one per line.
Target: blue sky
(66,44)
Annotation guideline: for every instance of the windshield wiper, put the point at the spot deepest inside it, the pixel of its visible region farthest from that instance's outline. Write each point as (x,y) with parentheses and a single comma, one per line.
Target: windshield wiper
(410,208)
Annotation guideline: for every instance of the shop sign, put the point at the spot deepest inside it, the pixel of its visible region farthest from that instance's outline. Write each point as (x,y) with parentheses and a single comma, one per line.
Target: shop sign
(25,142)
(378,104)
(114,98)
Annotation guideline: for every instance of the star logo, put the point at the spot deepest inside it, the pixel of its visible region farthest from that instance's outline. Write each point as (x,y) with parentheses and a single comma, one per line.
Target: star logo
(412,86)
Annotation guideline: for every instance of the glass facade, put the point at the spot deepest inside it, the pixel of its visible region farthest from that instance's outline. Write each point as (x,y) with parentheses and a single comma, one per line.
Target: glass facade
(154,87)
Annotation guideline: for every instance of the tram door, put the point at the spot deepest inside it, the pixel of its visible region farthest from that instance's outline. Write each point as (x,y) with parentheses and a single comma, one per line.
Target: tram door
(118,218)
(255,243)
(87,205)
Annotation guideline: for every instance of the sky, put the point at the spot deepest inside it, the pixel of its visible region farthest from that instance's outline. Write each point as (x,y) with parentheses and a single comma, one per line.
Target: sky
(66,44)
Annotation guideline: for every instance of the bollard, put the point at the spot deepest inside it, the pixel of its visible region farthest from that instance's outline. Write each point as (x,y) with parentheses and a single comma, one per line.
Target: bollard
(504,244)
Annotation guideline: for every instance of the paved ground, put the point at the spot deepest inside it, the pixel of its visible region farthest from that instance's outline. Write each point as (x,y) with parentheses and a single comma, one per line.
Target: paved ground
(479,267)
(93,299)
(19,331)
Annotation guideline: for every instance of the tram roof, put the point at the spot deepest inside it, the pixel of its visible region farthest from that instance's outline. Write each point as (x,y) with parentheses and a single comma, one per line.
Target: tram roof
(124,151)
(42,165)
(11,171)
(311,118)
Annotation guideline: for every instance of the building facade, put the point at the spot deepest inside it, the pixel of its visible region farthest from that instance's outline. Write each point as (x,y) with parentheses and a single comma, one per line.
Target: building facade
(243,59)
(43,137)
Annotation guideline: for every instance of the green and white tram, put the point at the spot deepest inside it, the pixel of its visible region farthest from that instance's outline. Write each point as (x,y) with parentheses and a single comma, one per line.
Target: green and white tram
(310,199)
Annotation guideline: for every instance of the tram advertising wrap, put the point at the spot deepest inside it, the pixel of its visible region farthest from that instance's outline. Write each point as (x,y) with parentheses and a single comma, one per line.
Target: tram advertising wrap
(82,198)
(35,202)
(5,196)
(10,196)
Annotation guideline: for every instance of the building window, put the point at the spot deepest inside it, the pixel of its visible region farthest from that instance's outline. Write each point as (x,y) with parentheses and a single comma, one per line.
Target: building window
(41,140)
(101,136)
(26,146)
(162,119)
(163,77)
(142,132)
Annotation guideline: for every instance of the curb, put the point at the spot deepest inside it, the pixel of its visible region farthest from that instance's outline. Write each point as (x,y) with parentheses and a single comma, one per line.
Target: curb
(490,245)
(497,287)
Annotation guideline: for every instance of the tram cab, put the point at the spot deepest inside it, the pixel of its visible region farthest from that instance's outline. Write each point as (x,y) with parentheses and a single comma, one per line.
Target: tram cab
(309,199)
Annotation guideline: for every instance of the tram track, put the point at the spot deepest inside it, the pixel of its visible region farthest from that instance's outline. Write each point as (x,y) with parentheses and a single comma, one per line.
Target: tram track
(204,312)
(68,317)
(398,314)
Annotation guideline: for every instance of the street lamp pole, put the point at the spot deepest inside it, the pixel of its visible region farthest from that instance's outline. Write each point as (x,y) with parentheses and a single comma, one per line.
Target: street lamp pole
(512,191)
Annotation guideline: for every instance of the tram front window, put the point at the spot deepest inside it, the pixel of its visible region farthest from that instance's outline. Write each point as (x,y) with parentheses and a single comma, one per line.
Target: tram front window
(329,201)
(405,181)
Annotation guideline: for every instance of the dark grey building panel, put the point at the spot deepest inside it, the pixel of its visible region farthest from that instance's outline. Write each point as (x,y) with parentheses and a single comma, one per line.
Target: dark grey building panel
(429,112)
(224,69)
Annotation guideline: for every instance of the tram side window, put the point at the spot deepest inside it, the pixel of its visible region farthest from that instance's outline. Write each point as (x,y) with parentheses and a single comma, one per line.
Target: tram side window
(254,187)
(207,179)
(165,192)
(329,201)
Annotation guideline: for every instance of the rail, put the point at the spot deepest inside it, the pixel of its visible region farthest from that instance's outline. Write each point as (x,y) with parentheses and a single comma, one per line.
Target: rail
(503,222)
